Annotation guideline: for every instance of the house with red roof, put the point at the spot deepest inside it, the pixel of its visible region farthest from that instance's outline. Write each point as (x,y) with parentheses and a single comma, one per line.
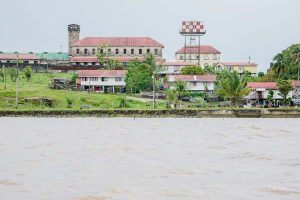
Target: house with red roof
(209,56)
(195,83)
(239,67)
(123,49)
(102,80)
(260,91)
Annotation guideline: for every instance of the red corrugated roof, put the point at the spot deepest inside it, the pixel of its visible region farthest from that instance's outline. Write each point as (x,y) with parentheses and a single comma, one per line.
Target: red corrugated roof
(118,42)
(102,73)
(238,64)
(200,78)
(269,85)
(262,85)
(21,56)
(178,63)
(195,50)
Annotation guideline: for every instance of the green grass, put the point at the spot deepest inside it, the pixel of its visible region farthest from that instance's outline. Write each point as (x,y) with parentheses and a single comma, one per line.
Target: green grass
(38,86)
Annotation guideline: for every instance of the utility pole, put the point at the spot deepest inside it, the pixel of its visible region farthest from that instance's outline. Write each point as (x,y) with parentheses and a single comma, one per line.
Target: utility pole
(17,80)
(153,89)
(4,76)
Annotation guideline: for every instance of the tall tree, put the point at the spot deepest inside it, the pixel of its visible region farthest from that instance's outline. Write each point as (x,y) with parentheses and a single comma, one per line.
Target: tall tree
(139,76)
(233,87)
(284,87)
(279,65)
(181,88)
(192,70)
(296,56)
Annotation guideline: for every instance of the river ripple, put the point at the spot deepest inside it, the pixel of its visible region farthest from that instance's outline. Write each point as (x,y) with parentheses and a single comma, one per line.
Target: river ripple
(146,159)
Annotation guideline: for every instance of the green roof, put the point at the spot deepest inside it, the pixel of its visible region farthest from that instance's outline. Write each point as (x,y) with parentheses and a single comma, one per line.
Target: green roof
(46,55)
(53,56)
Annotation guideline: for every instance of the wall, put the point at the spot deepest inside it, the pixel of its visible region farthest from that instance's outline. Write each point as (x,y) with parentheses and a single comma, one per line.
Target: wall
(111,82)
(210,59)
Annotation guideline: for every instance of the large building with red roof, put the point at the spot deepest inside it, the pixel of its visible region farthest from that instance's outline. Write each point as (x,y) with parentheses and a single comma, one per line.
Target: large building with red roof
(123,49)
(209,56)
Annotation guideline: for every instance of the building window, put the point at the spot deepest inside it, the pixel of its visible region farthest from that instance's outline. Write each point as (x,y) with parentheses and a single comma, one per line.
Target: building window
(229,68)
(194,83)
(94,51)
(101,51)
(132,51)
(124,51)
(109,51)
(241,68)
(35,62)
(148,51)
(77,63)
(180,57)
(104,79)
(93,63)
(156,51)
(85,51)
(118,79)
(85,63)
(94,78)
(8,61)
(215,57)
(117,51)
(77,51)
(140,51)
(206,58)
(26,62)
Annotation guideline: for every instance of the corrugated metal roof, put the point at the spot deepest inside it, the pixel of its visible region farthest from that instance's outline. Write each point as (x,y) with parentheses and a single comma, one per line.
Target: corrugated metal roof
(102,73)
(118,42)
(193,78)
(204,49)
(53,56)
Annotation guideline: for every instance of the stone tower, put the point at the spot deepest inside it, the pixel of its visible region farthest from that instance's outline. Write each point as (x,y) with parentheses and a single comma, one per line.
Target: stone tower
(74,31)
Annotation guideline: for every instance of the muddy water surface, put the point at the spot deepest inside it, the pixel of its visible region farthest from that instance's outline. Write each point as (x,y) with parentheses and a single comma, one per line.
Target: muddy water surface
(146,159)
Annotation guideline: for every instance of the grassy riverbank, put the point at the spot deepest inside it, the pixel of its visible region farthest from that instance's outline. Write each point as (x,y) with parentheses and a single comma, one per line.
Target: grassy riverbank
(38,86)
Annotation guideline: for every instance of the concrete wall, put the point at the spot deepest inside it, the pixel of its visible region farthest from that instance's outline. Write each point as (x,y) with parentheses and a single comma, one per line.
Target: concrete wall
(205,59)
(111,81)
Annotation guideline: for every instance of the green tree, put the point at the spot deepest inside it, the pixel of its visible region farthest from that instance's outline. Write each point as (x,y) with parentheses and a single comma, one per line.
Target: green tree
(181,89)
(12,73)
(192,70)
(284,87)
(28,73)
(261,74)
(172,98)
(73,79)
(233,87)
(106,60)
(286,64)
(139,76)
(209,69)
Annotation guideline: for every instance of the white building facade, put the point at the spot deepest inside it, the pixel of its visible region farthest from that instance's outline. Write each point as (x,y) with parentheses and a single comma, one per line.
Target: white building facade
(102,80)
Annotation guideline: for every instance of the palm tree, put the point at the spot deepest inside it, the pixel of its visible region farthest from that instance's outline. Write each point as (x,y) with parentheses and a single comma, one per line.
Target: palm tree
(233,87)
(279,66)
(296,55)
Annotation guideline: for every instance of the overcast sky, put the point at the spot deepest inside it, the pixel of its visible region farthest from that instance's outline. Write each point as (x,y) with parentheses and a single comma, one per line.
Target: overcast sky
(238,28)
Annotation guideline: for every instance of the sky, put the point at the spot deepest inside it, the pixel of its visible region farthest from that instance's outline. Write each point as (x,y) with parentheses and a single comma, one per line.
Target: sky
(238,28)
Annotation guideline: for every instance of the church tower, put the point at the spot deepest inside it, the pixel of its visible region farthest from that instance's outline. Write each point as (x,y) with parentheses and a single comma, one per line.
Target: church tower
(74,31)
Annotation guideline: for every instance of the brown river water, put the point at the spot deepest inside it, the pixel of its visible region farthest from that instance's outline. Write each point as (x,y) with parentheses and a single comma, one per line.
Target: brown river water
(149,159)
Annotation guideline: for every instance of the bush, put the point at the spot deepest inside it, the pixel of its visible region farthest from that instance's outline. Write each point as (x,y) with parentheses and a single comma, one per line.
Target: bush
(13,73)
(123,103)
(69,102)
(28,73)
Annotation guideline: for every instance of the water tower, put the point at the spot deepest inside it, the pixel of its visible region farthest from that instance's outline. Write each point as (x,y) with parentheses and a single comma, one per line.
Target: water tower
(192,31)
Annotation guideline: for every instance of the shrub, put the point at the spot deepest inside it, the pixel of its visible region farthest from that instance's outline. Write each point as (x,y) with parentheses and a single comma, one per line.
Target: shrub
(69,102)
(28,73)
(123,103)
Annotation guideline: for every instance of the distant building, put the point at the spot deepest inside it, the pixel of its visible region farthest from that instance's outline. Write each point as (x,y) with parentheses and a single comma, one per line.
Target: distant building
(102,80)
(35,60)
(195,83)
(171,68)
(123,49)
(24,59)
(261,90)
(209,56)
(239,67)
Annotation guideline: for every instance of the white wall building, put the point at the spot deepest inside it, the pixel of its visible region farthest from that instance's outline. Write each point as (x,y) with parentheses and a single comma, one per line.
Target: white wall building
(195,83)
(171,68)
(102,80)
(209,56)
